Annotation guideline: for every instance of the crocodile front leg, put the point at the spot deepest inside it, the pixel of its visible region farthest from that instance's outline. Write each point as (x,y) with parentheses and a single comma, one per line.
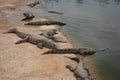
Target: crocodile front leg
(23,40)
(40,45)
(73,58)
(70,68)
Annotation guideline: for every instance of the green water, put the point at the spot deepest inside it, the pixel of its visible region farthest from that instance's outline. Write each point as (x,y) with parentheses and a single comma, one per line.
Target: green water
(96,24)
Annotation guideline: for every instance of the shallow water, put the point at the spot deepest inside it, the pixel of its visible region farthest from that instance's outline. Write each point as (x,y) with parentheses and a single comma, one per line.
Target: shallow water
(96,24)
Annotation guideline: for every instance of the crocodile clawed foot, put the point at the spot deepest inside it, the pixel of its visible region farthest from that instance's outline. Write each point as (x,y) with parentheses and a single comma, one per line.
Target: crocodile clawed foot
(40,45)
(68,66)
(18,42)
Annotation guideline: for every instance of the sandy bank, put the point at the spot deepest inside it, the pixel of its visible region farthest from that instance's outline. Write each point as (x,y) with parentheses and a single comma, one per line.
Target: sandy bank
(17,3)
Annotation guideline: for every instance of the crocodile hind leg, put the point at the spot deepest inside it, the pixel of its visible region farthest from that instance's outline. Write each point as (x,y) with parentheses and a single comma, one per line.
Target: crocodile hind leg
(40,45)
(23,40)
(73,58)
(56,40)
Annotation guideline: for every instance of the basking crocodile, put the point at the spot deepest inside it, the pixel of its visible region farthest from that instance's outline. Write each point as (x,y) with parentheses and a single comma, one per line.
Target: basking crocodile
(33,4)
(40,23)
(38,40)
(50,34)
(80,72)
(55,12)
(28,16)
(85,51)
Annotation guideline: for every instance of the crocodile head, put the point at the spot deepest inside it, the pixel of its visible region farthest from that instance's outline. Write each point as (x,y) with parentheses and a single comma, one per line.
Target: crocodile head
(54,31)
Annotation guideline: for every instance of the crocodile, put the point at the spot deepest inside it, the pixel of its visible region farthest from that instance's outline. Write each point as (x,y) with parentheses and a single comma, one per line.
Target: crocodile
(85,51)
(38,40)
(33,4)
(28,16)
(50,34)
(40,23)
(55,12)
(80,71)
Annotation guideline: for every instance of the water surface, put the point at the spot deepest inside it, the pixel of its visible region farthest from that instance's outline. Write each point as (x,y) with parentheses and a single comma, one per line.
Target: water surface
(96,24)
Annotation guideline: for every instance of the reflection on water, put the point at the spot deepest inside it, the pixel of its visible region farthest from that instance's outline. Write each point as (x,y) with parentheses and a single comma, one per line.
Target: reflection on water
(101,1)
(93,23)
(81,1)
(105,2)
(50,1)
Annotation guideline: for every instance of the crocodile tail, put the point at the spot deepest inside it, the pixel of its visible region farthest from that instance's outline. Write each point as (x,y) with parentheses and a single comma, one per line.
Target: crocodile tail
(30,23)
(28,19)
(10,31)
(60,51)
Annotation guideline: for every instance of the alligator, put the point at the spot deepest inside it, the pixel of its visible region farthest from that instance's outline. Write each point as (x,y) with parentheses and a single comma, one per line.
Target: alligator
(85,51)
(28,16)
(38,40)
(40,23)
(80,72)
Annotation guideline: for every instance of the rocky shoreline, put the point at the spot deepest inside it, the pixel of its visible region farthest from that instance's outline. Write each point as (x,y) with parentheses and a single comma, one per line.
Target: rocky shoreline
(24,61)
